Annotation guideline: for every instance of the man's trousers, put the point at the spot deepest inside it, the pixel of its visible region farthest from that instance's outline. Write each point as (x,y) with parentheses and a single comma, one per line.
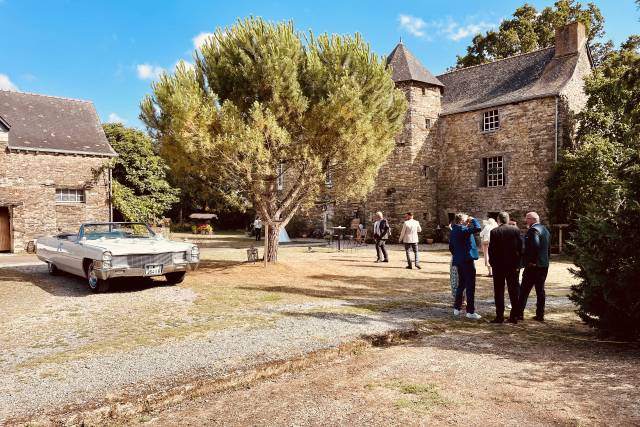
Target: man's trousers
(533,277)
(381,249)
(412,247)
(466,282)
(510,276)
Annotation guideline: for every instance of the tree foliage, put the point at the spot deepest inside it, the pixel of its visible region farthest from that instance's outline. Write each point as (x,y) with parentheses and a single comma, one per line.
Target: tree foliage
(266,102)
(596,186)
(140,190)
(529,30)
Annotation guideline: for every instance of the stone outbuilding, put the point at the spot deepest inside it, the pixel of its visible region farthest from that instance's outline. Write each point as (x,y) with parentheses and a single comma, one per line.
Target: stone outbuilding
(52,176)
(481,139)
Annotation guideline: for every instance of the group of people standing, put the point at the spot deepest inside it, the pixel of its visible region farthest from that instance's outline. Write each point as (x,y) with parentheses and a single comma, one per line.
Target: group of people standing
(506,253)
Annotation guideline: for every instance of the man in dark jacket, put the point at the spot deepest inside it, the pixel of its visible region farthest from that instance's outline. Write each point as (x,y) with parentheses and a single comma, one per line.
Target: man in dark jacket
(462,245)
(536,264)
(505,251)
(380,235)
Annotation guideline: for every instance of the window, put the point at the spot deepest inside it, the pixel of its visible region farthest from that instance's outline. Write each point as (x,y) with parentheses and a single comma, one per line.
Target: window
(328,179)
(68,195)
(424,91)
(490,121)
(427,123)
(493,168)
(280,177)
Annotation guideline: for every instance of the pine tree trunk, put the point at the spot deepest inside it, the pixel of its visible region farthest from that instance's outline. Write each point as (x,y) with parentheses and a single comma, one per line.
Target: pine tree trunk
(272,238)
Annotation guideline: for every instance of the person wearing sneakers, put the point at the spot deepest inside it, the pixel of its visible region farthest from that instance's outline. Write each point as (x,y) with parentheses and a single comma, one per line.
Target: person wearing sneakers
(409,236)
(462,245)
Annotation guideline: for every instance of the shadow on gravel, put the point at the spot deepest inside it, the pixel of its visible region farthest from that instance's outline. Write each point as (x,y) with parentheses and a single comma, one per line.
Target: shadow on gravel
(68,285)
(211,266)
(404,297)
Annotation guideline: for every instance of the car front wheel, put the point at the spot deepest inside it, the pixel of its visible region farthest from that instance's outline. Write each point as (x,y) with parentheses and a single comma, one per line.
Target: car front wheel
(95,284)
(175,277)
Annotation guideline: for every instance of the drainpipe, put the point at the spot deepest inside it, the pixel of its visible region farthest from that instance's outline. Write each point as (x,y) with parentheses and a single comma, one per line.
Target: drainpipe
(110,197)
(555,159)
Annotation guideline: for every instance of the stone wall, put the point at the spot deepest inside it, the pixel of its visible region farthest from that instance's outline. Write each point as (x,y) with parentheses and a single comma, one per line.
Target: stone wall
(526,140)
(28,182)
(407,180)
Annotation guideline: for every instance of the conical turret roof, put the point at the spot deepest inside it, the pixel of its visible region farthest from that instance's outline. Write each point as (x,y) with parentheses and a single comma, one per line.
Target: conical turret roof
(406,67)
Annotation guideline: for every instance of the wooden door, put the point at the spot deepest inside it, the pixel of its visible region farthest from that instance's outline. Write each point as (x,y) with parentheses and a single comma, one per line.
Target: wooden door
(5,230)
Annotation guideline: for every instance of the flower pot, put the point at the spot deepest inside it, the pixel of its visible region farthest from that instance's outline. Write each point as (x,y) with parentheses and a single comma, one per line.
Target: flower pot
(429,241)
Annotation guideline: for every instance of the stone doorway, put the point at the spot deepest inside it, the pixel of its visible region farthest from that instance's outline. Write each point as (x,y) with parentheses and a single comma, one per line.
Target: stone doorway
(5,230)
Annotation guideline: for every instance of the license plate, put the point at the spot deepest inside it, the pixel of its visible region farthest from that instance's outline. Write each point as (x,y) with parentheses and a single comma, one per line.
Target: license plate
(152,269)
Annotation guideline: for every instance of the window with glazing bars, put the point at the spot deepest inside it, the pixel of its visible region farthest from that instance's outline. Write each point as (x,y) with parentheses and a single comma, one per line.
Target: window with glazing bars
(280,177)
(490,120)
(68,195)
(494,171)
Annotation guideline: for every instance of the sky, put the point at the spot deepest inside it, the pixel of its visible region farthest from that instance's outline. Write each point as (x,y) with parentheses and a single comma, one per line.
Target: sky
(110,51)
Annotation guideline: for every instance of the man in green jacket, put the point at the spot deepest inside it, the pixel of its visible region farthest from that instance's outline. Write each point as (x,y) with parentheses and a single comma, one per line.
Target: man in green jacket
(536,264)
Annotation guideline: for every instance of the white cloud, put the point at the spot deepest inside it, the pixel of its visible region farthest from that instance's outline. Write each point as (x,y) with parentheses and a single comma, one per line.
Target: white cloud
(455,31)
(6,83)
(447,28)
(200,39)
(413,25)
(149,72)
(114,118)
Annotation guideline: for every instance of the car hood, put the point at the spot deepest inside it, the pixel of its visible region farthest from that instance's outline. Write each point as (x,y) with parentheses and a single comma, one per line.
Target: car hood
(139,246)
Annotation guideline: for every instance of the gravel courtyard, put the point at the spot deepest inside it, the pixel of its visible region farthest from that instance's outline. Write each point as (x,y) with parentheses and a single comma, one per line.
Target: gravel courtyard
(65,349)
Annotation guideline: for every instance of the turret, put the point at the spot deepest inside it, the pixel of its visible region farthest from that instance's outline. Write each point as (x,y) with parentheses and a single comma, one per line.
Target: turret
(423,91)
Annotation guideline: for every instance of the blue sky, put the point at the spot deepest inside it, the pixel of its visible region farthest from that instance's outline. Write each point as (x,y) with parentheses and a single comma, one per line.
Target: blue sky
(110,51)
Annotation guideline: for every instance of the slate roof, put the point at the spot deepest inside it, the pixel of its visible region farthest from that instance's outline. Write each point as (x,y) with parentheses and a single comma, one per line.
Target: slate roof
(51,124)
(527,76)
(406,67)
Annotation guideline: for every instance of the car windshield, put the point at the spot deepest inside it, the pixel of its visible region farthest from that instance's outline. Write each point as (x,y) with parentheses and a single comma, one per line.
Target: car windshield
(128,230)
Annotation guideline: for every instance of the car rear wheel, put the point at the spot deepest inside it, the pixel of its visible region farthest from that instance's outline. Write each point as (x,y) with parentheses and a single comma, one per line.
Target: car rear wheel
(175,277)
(95,284)
(53,270)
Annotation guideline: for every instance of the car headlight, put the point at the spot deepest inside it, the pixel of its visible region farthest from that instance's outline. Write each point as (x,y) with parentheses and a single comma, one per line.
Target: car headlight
(180,257)
(106,259)
(195,253)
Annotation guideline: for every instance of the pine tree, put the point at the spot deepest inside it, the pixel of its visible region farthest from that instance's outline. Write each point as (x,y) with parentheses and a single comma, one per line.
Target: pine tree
(266,102)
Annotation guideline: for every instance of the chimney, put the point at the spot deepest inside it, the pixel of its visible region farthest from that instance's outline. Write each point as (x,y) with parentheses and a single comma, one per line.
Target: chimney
(570,38)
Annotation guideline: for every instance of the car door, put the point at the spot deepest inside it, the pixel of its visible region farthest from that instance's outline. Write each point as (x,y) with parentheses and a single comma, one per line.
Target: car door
(72,254)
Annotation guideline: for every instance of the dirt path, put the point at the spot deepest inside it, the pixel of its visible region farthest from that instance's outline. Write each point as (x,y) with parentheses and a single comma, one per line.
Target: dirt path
(475,375)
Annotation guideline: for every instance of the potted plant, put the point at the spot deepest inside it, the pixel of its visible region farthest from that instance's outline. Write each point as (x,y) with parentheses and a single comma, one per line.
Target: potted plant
(204,229)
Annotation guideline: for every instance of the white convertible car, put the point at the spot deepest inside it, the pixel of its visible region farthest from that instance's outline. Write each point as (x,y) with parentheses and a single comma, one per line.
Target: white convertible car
(102,251)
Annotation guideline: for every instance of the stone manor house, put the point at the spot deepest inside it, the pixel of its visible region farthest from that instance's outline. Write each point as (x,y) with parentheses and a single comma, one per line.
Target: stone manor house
(51,153)
(480,139)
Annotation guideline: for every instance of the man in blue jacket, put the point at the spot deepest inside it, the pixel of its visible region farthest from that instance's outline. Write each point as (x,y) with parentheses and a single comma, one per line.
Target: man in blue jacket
(462,245)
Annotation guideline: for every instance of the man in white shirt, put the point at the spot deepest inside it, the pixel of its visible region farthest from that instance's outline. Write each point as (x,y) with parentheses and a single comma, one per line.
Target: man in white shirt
(257,228)
(409,236)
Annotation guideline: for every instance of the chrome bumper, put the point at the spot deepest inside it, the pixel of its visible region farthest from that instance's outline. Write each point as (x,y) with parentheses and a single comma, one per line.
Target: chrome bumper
(113,272)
